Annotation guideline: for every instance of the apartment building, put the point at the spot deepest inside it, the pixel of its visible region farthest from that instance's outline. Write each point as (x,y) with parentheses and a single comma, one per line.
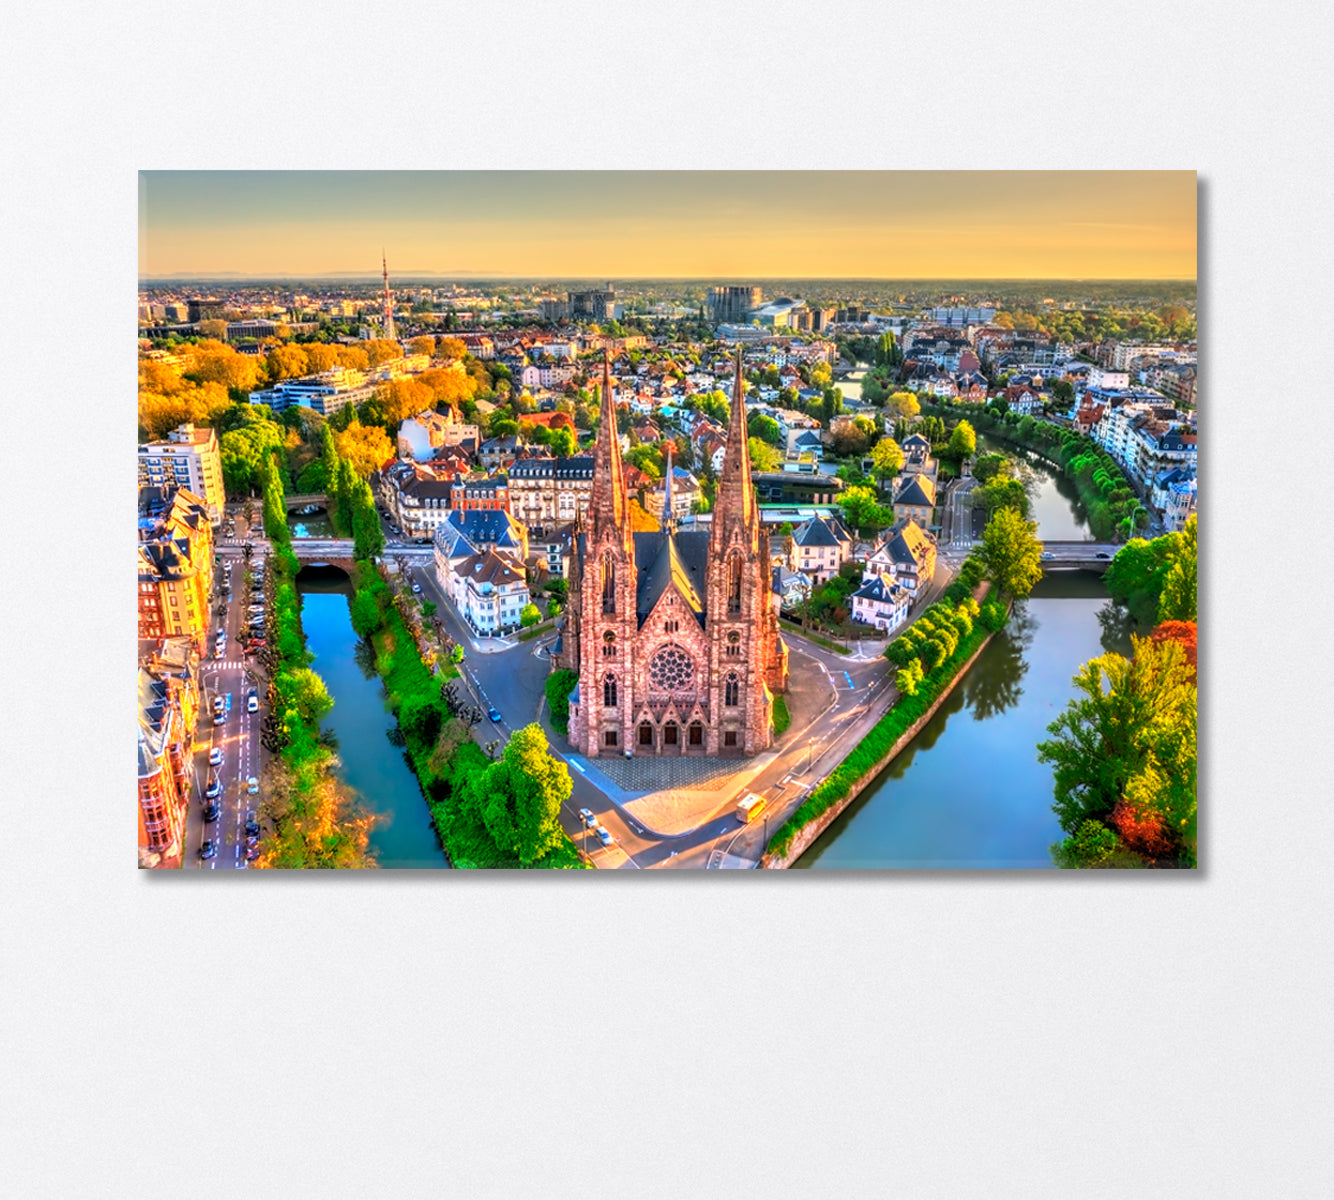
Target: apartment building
(188,459)
(545,492)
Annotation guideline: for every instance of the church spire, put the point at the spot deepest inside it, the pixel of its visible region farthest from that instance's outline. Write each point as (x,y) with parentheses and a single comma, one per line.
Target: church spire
(736,493)
(608,505)
(668,516)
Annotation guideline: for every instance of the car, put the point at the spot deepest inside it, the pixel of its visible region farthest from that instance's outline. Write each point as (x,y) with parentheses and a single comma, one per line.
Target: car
(1102,554)
(212,813)
(251,853)
(214,788)
(251,824)
(1048,554)
(587,817)
(493,712)
(416,587)
(604,836)
(252,786)
(252,702)
(208,850)
(215,757)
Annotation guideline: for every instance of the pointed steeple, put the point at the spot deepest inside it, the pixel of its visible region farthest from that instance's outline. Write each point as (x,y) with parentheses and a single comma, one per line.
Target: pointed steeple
(608,505)
(668,517)
(736,493)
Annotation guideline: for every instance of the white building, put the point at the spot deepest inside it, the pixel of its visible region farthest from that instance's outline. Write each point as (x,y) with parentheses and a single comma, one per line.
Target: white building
(490,591)
(881,602)
(188,459)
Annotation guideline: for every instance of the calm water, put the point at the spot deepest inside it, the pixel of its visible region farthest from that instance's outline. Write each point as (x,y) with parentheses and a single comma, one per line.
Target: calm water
(851,384)
(1054,500)
(372,766)
(969,791)
(316,525)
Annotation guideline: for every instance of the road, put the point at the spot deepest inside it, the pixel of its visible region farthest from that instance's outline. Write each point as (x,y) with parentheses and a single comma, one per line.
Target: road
(238,737)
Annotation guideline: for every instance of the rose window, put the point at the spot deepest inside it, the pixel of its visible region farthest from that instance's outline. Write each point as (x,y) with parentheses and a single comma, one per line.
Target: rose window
(670,670)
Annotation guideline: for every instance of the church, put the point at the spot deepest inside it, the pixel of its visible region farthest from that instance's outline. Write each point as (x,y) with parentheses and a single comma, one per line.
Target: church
(674,634)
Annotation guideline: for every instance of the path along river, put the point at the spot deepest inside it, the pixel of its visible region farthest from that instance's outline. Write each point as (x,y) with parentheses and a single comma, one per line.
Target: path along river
(969,791)
(371,765)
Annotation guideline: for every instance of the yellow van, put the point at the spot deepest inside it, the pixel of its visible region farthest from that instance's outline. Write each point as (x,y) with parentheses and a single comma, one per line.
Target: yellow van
(749,807)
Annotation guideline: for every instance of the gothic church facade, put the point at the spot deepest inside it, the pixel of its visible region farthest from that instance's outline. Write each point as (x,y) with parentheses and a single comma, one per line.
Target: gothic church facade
(674,634)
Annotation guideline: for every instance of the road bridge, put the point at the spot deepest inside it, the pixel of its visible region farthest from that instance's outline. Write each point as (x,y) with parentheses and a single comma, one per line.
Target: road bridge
(309,499)
(1082,556)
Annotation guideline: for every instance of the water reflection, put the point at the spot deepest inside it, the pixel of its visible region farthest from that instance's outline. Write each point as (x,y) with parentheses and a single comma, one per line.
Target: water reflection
(1053,499)
(996,681)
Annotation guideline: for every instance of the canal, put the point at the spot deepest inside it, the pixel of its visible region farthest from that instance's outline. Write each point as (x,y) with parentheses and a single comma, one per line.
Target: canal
(371,765)
(969,790)
(311,525)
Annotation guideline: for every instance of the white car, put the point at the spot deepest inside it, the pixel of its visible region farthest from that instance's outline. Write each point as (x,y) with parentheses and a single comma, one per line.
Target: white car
(215,757)
(604,836)
(252,786)
(587,817)
(416,587)
(252,703)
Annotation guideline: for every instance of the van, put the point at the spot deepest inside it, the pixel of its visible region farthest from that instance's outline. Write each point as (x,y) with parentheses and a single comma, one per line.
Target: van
(749,807)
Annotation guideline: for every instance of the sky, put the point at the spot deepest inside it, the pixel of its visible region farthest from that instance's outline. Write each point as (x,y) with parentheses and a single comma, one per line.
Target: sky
(664,224)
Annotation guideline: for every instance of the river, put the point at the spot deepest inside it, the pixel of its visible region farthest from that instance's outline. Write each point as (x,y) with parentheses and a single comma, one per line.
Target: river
(969,790)
(375,769)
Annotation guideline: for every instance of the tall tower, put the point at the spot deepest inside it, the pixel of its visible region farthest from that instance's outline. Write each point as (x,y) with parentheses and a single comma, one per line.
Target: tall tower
(608,582)
(388,300)
(744,650)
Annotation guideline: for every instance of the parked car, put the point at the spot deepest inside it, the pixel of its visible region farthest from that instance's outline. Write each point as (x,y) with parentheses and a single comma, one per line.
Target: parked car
(252,702)
(251,853)
(604,836)
(208,850)
(214,788)
(215,757)
(252,786)
(587,817)
(251,824)
(493,712)
(211,813)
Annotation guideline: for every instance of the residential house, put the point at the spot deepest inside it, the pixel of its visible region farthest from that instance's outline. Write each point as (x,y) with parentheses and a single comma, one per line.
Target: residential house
(908,553)
(490,591)
(881,601)
(820,546)
(188,459)
(1173,495)
(915,498)
(791,587)
(549,492)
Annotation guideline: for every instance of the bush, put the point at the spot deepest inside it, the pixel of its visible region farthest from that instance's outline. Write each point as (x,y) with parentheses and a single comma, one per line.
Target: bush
(559,685)
(782,718)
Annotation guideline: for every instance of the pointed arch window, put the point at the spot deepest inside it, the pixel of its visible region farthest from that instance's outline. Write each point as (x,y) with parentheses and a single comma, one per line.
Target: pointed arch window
(608,583)
(731,690)
(734,583)
(609,691)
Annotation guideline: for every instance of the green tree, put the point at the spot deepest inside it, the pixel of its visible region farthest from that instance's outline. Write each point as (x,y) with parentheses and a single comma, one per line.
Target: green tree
(1128,738)
(764,457)
(1091,845)
(766,429)
(963,441)
(1011,552)
(1180,584)
(902,405)
(519,796)
(529,615)
(304,691)
(988,466)
(887,456)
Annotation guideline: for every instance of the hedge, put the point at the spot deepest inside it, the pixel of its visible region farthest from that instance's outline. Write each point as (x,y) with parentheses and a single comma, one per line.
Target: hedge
(559,685)
(866,756)
(782,718)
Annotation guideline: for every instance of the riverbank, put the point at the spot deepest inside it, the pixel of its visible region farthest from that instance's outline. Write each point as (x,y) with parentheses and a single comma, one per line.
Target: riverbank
(890,735)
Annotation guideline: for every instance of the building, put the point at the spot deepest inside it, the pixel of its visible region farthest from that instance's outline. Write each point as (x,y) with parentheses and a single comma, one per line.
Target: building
(908,553)
(674,635)
(1174,495)
(732,303)
(490,591)
(881,601)
(188,459)
(327,393)
(417,497)
(791,587)
(796,488)
(176,572)
(546,492)
(168,710)
(421,436)
(820,546)
(595,305)
(915,498)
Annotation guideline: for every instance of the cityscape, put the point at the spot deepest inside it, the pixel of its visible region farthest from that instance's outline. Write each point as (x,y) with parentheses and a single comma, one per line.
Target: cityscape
(506,566)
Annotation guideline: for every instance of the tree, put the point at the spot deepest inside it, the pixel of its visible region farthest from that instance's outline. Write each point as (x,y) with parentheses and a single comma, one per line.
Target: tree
(766,429)
(303,691)
(903,405)
(212,327)
(764,457)
(988,466)
(1178,600)
(422,345)
(519,796)
(529,615)
(451,347)
(286,362)
(963,441)
(563,443)
(1127,741)
(887,456)
(364,447)
(1011,552)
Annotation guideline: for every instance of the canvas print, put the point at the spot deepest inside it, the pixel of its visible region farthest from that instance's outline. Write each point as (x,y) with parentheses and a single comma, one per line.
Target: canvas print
(610,520)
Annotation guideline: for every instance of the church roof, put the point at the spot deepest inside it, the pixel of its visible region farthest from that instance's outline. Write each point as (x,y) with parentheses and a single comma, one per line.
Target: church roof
(669,569)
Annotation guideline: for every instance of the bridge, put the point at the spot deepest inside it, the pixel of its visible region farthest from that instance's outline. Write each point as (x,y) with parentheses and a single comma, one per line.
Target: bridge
(1082,556)
(337,552)
(316,498)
